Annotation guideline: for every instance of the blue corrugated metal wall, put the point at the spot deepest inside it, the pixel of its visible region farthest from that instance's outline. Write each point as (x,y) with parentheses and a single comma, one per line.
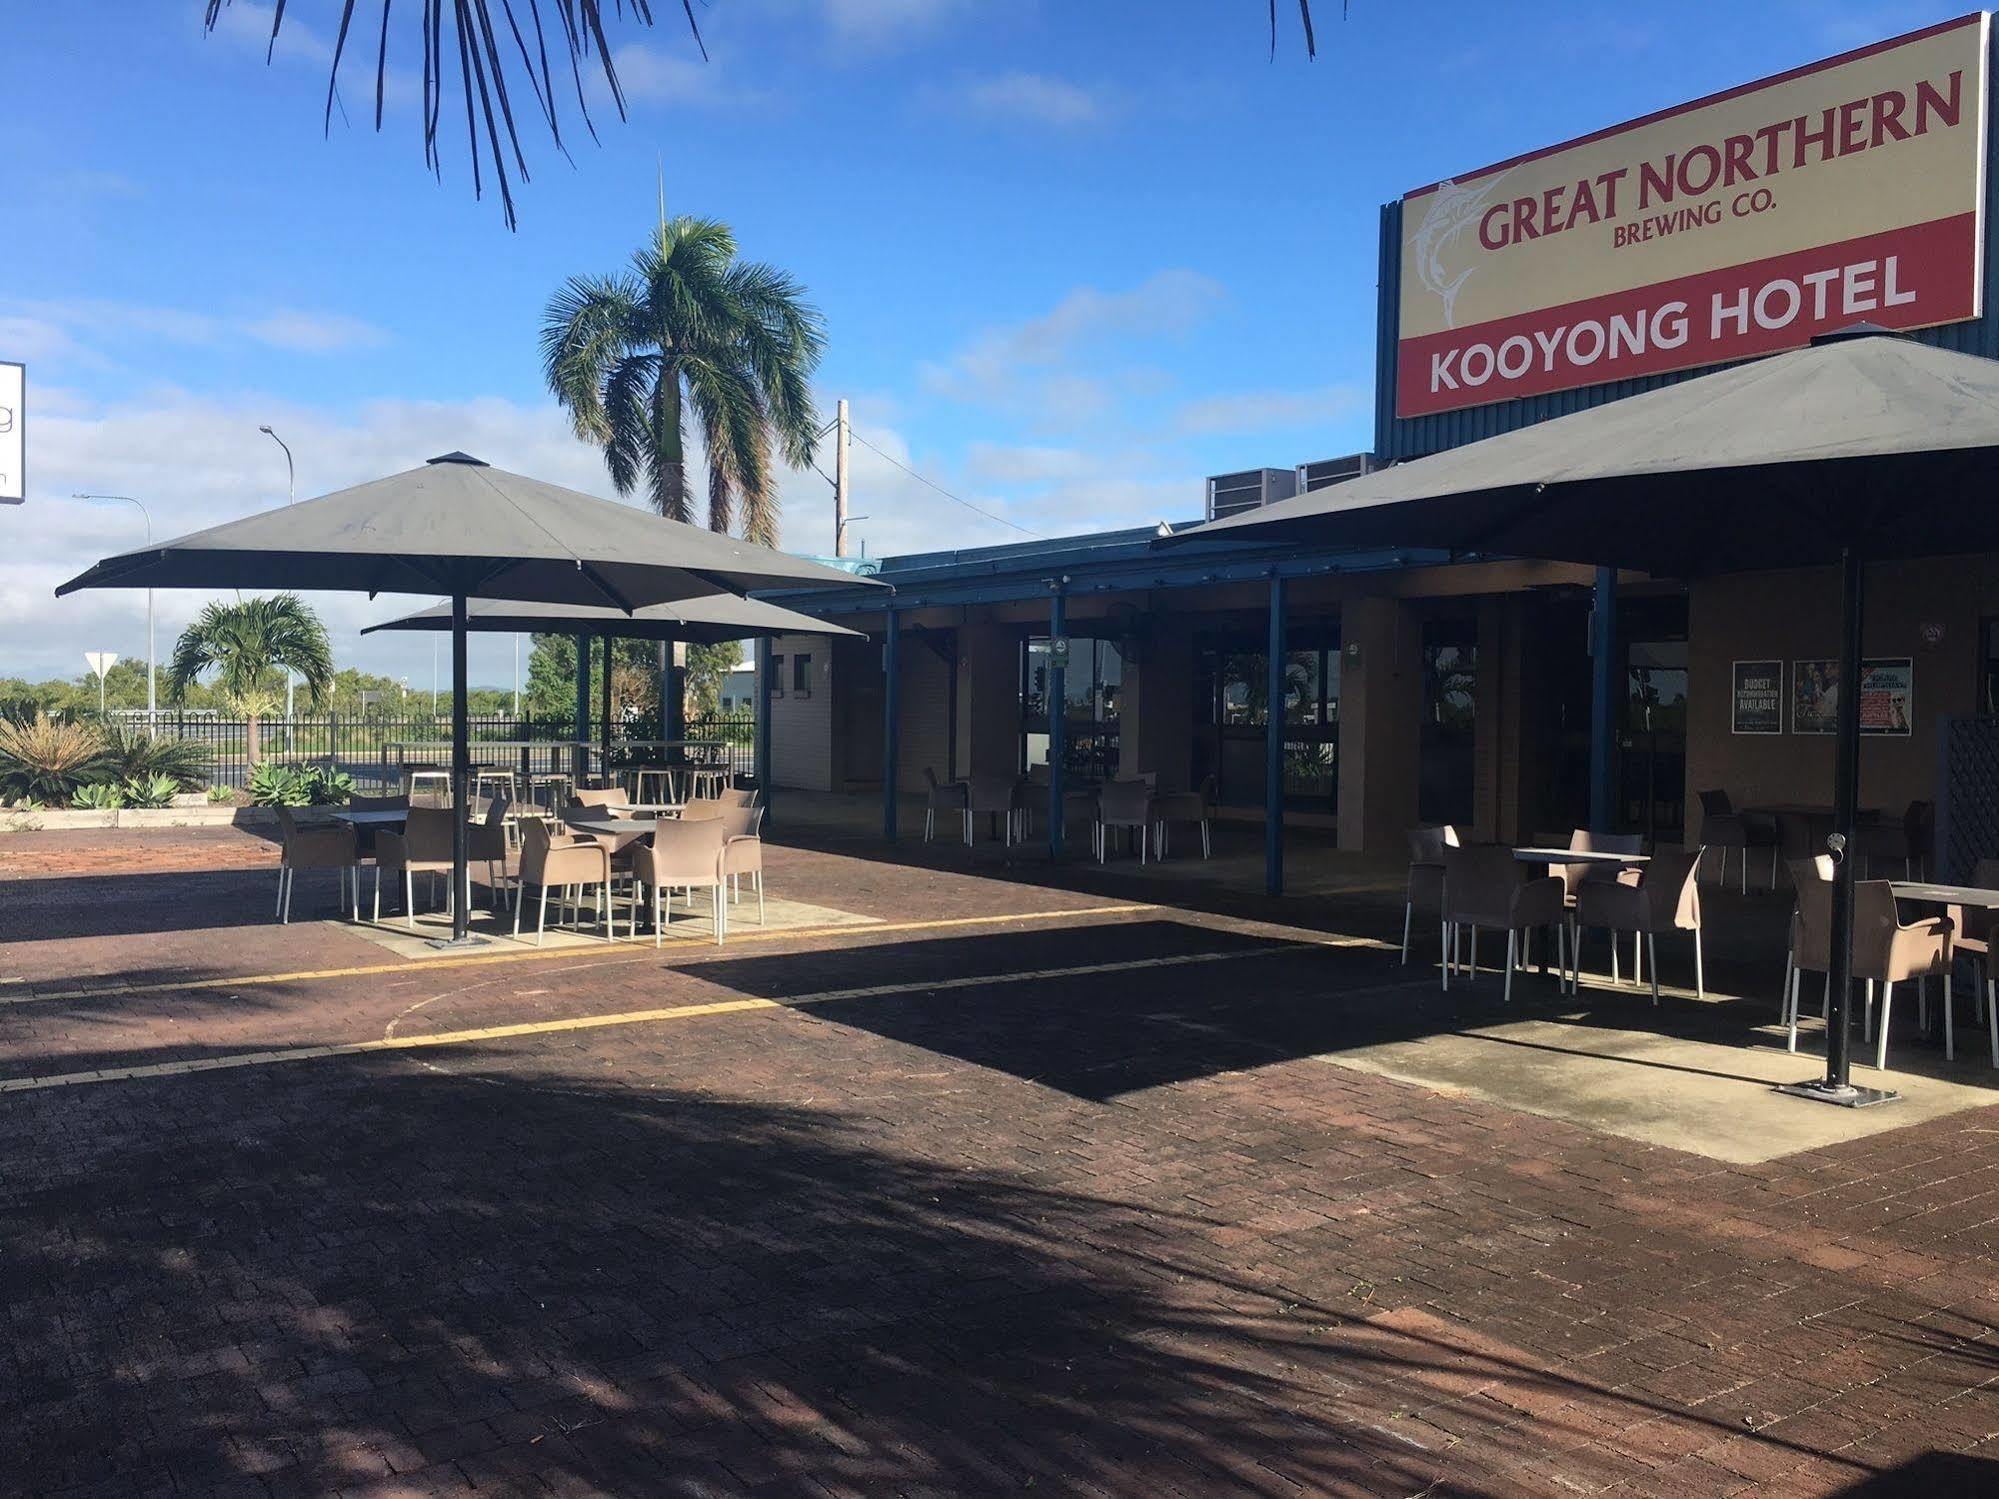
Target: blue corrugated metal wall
(1396,439)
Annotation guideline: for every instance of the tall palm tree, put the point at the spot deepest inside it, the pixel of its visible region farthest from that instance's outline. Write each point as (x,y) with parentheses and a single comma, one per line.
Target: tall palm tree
(689,330)
(487,35)
(249,645)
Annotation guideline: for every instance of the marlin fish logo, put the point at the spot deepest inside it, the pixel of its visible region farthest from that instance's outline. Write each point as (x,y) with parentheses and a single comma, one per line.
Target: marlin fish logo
(1453,209)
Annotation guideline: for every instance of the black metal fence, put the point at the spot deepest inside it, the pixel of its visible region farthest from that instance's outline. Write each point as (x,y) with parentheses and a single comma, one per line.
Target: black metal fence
(374,748)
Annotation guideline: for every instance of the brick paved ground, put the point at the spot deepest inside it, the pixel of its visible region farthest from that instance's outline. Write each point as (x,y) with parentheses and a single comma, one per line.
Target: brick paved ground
(937,1229)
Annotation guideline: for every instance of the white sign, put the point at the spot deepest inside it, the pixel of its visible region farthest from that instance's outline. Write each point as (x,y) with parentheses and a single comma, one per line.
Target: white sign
(13,434)
(101,662)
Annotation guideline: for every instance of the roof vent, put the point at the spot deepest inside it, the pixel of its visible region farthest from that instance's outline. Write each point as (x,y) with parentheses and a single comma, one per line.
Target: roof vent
(456,457)
(1232,494)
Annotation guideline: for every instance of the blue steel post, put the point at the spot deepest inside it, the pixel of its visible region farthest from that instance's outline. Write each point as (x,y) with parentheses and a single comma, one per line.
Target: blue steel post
(891,727)
(1605,679)
(763,730)
(1058,712)
(1273,748)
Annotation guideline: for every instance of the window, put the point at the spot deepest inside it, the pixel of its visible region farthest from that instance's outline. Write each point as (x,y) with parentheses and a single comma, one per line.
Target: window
(801,674)
(777,676)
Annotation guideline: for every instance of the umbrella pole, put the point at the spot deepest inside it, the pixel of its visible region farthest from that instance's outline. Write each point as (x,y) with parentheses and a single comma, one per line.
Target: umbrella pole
(461,790)
(605,696)
(1837,1084)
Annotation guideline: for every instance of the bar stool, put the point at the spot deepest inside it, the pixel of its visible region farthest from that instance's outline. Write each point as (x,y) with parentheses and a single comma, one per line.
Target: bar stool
(500,778)
(414,779)
(655,775)
(551,790)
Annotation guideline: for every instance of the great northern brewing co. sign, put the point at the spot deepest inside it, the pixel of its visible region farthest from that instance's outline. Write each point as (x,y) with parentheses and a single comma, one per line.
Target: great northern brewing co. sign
(1848,191)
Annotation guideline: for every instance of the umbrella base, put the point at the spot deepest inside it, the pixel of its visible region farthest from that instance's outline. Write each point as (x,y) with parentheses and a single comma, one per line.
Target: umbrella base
(468,940)
(1847,1097)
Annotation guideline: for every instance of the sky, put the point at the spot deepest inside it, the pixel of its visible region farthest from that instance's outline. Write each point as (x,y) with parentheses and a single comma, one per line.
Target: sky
(1072,257)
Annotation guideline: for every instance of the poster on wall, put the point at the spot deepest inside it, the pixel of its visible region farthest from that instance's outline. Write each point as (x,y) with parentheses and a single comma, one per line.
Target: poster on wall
(1759,698)
(1887,696)
(1736,225)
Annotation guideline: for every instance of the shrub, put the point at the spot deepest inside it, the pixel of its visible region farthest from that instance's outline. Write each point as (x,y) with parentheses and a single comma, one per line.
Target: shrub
(134,753)
(99,796)
(219,794)
(274,785)
(151,791)
(47,759)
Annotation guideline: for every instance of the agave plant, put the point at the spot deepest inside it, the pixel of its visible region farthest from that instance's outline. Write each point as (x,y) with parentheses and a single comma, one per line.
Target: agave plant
(133,753)
(151,791)
(99,796)
(47,759)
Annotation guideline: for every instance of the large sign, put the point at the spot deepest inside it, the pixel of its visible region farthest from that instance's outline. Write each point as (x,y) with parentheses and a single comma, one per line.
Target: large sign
(13,434)
(1887,696)
(1848,191)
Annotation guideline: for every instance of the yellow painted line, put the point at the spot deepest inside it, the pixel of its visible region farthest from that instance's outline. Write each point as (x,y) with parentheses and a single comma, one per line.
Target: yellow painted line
(705,952)
(630,1017)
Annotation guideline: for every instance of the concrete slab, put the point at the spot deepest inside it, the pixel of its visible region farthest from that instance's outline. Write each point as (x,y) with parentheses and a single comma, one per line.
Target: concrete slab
(1712,1099)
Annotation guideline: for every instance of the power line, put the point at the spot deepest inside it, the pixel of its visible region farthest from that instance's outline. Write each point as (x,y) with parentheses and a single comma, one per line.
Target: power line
(975,509)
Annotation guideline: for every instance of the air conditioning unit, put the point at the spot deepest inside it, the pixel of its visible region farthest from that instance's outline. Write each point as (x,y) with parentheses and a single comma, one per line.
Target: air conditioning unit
(1330,471)
(1231,494)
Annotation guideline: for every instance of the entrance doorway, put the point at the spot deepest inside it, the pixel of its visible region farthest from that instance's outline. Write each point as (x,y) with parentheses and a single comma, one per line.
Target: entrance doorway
(1447,762)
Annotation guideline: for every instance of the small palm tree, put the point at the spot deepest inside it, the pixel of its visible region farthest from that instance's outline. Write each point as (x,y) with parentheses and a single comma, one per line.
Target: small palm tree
(689,329)
(250,645)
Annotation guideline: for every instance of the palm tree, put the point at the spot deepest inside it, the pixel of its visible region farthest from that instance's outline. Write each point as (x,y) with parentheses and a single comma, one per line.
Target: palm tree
(689,329)
(485,62)
(249,645)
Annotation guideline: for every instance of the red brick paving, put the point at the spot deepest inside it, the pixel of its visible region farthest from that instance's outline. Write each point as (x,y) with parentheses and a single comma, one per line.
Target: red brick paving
(1117,1234)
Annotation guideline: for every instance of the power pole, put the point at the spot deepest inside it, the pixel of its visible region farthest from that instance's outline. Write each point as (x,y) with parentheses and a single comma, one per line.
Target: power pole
(840,479)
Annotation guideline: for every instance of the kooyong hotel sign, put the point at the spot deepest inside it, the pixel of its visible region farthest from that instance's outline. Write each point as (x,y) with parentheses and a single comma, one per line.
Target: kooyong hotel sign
(1850,190)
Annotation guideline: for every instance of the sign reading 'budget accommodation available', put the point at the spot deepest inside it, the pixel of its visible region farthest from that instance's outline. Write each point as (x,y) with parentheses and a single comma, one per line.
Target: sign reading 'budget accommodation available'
(1848,191)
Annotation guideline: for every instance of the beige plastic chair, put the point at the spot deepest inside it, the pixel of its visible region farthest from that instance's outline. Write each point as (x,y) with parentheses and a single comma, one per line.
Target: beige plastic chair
(422,847)
(317,846)
(487,844)
(1886,951)
(1813,871)
(1575,876)
(996,796)
(1426,877)
(1184,809)
(947,797)
(1127,805)
(1486,886)
(682,856)
(1724,828)
(743,853)
(1665,897)
(739,796)
(1976,928)
(565,864)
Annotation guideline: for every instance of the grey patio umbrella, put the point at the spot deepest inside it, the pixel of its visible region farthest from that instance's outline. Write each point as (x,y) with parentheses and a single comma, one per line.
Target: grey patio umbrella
(459,527)
(704,621)
(1865,446)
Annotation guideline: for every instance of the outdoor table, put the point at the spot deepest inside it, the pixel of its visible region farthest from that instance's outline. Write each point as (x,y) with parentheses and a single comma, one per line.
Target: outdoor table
(375,817)
(655,810)
(1575,856)
(616,831)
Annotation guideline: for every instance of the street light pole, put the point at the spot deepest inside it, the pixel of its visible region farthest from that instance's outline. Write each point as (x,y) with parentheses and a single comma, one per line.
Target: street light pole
(152,665)
(291,474)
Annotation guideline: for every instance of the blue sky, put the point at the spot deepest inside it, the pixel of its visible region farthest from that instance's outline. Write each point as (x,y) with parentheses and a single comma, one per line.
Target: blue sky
(1073,254)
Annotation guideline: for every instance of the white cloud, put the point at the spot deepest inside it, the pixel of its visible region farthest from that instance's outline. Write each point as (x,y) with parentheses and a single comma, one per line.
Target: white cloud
(654,75)
(875,24)
(1025,366)
(64,326)
(196,461)
(1268,410)
(1036,99)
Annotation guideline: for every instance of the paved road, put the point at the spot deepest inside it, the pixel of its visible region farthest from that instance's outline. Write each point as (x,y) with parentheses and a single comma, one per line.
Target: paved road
(1034,1189)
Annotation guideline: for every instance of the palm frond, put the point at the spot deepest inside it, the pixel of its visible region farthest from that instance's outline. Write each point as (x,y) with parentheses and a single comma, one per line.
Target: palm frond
(586,329)
(484,68)
(627,408)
